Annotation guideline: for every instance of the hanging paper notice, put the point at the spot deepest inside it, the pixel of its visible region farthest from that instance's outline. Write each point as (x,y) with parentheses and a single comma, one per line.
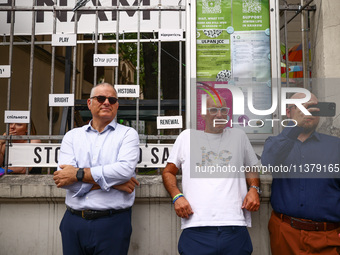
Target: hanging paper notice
(105,59)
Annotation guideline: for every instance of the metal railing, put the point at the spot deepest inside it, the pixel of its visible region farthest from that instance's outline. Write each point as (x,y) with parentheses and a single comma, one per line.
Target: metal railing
(72,83)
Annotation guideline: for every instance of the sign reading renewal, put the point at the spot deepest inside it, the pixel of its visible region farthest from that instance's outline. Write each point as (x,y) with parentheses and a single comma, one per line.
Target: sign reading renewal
(46,155)
(107,20)
(169,122)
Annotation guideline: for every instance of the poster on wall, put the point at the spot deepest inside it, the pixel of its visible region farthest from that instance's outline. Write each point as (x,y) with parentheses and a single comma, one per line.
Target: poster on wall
(233,48)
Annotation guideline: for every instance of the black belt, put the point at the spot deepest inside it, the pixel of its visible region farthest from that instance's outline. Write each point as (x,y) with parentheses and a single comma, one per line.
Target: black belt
(94,214)
(308,225)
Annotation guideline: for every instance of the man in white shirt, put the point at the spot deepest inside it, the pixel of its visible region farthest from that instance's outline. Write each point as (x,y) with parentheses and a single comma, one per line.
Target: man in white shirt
(215,205)
(97,168)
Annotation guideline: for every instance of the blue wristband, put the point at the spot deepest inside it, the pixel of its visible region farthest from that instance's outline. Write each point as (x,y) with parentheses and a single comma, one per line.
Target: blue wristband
(177,197)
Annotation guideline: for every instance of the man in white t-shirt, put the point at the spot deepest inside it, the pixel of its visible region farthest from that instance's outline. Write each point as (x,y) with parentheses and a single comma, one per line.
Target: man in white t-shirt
(215,204)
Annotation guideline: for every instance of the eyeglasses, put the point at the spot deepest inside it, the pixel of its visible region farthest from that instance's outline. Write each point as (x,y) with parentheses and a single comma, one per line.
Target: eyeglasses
(214,110)
(102,99)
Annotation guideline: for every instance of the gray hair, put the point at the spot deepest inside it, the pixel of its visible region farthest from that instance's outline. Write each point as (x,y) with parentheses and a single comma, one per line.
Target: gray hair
(103,84)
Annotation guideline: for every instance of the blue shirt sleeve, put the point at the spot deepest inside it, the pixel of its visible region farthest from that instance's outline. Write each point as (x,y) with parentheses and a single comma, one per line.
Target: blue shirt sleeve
(277,148)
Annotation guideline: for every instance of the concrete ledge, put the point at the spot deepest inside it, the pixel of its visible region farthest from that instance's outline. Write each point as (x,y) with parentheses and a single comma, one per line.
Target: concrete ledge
(42,187)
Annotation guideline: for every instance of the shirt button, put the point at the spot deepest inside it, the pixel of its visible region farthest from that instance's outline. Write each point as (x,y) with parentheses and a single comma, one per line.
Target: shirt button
(301,205)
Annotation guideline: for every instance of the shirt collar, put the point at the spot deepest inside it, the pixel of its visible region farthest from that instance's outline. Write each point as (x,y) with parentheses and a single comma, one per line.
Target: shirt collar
(315,135)
(112,125)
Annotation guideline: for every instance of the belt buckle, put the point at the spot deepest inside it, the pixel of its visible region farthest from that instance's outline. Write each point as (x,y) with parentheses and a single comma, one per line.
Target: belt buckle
(294,220)
(85,214)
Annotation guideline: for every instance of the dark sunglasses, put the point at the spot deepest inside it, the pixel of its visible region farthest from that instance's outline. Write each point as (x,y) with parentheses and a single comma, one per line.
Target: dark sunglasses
(102,99)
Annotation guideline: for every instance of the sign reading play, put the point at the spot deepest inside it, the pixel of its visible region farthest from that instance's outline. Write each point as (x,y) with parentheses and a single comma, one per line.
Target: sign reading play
(64,40)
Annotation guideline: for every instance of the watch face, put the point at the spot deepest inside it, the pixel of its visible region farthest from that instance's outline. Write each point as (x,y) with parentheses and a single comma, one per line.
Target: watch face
(80,174)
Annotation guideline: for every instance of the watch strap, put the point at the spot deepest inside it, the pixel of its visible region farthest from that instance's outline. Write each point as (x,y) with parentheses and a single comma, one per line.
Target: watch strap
(259,191)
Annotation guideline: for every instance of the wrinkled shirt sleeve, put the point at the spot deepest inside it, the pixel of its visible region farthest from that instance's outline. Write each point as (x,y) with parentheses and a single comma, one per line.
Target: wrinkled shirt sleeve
(67,157)
(123,169)
(277,148)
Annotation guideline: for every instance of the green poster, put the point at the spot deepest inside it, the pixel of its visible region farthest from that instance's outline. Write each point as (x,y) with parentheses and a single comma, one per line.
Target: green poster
(218,23)
(233,46)
(213,40)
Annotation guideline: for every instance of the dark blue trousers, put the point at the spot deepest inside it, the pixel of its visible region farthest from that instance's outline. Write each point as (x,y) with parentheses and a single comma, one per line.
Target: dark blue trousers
(106,236)
(227,240)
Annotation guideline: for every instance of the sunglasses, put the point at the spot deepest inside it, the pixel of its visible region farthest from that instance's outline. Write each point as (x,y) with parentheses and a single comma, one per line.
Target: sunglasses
(102,99)
(214,110)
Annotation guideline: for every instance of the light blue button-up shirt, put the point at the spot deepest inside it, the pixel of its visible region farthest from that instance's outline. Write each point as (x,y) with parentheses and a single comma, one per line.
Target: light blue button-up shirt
(112,156)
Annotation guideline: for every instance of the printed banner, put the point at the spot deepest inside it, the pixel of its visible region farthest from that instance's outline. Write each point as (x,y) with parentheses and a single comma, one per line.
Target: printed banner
(128,19)
(46,155)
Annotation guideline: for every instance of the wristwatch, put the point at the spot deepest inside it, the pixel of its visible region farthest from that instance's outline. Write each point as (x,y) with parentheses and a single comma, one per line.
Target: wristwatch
(259,191)
(80,174)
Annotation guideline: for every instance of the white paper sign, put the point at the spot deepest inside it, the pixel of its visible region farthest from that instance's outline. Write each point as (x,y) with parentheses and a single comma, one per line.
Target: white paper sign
(169,122)
(47,155)
(170,34)
(17,116)
(61,100)
(64,40)
(5,71)
(127,90)
(105,59)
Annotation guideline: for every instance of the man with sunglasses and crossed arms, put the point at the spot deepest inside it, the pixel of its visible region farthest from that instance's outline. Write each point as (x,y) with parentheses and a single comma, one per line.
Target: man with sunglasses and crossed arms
(215,204)
(97,168)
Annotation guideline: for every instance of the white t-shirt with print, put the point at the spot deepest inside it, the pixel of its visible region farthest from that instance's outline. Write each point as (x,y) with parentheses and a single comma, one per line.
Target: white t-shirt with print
(214,191)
